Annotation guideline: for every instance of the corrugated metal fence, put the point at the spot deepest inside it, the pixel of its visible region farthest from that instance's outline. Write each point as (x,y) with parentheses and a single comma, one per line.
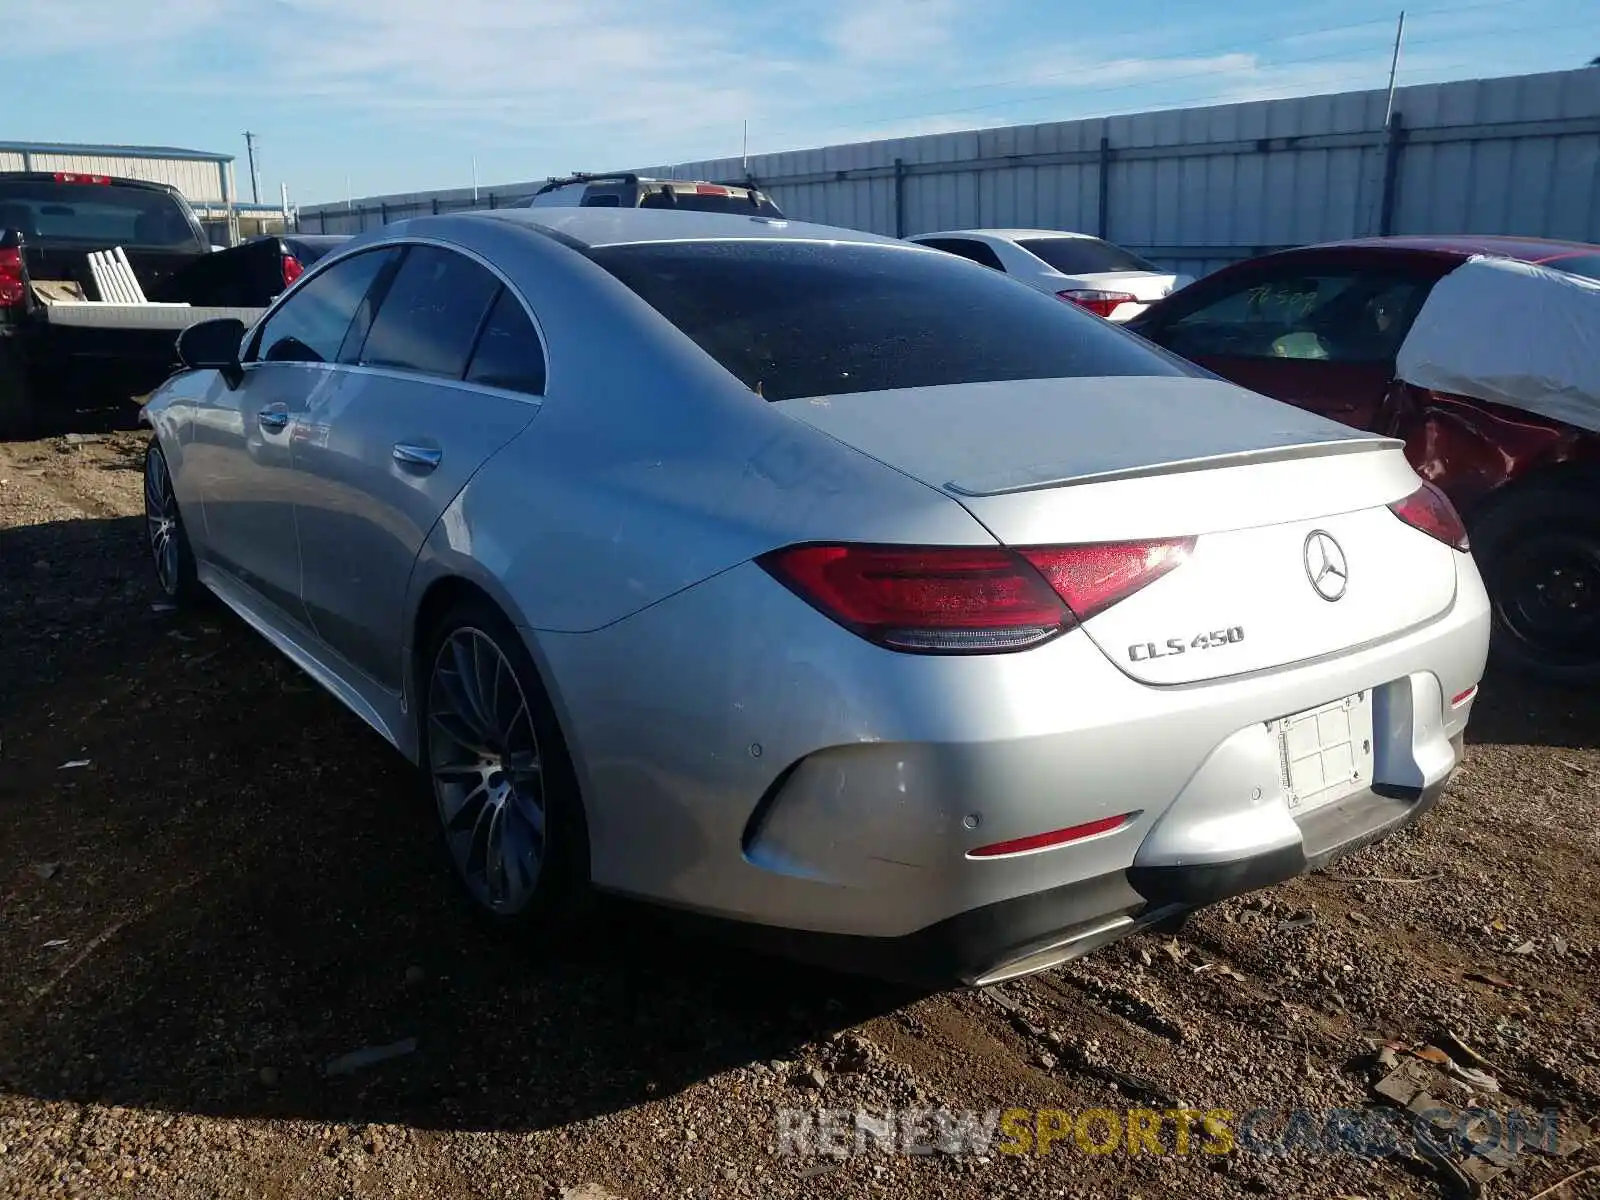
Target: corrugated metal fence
(1191,188)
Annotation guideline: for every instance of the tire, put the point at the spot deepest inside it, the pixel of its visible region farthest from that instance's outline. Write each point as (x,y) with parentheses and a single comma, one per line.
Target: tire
(501,783)
(166,537)
(1539,551)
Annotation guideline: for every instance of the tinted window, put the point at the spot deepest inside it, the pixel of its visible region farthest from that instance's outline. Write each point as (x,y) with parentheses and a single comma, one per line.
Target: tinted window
(602,200)
(1084,255)
(430,315)
(1587,265)
(509,354)
(1327,316)
(978,252)
(311,324)
(96,214)
(805,319)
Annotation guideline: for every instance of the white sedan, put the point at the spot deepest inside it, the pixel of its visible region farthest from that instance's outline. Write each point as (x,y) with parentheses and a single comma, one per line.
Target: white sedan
(1105,279)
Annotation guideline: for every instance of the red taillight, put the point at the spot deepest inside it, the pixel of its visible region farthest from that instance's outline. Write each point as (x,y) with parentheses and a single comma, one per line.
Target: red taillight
(1057,837)
(711,189)
(292,270)
(928,599)
(968,600)
(13,290)
(1430,510)
(1100,303)
(1093,577)
(72,177)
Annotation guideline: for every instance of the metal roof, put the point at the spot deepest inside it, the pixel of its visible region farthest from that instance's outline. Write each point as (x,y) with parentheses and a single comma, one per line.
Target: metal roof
(115,151)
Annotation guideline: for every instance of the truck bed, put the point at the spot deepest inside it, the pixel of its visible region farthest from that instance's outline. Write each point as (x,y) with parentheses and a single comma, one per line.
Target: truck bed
(175,317)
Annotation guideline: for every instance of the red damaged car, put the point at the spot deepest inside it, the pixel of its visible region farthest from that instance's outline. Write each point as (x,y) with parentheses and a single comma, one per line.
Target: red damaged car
(1483,355)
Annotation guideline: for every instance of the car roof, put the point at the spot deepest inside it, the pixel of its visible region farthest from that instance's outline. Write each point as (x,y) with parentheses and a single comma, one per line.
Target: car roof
(1464,245)
(1010,235)
(597,227)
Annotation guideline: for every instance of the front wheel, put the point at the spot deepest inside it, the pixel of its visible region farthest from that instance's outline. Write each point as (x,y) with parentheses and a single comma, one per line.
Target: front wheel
(166,536)
(1539,550)
(501,780)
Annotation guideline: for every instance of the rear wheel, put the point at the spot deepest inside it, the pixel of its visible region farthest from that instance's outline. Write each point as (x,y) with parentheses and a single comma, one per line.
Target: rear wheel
(1539,550)
(500,777)
(166,536)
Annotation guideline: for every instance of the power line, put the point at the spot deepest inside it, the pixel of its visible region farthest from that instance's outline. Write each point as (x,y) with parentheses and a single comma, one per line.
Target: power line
(1344,54)
(1231,47)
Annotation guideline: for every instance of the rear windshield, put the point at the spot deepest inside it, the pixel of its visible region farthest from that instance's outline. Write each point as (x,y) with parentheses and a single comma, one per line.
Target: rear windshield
(795,319)
(1084,255)
(94,214)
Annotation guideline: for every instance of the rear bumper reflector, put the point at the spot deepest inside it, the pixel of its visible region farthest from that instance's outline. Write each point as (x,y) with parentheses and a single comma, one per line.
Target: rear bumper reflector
(1461,698)
(1058,837)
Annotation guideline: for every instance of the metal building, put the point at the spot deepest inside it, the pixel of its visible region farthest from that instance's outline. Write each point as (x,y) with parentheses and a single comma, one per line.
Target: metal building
(204,178)
(1192,188)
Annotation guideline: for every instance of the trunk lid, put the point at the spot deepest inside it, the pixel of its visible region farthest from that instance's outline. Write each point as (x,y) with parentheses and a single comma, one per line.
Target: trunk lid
(1273,495)
(1140,284)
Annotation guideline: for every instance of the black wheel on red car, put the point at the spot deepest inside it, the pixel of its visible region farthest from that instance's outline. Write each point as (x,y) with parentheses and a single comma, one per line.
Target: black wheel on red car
(1539,551)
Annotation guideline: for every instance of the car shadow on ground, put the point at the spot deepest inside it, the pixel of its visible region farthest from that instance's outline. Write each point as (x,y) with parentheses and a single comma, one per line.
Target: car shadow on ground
(241,883)
(236,883)
(1512,711)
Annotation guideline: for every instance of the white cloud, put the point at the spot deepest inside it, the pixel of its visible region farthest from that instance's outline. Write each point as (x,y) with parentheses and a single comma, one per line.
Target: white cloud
(889,31)
(77,26)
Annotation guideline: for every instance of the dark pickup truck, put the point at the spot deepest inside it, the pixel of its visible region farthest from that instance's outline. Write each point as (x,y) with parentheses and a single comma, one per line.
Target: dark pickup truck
(49,224)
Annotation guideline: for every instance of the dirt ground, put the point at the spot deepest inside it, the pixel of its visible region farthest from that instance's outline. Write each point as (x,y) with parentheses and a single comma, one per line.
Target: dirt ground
(214,882)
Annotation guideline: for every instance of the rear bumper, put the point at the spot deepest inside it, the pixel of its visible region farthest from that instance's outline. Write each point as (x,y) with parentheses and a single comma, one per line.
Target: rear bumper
(1031,933)
(831,795)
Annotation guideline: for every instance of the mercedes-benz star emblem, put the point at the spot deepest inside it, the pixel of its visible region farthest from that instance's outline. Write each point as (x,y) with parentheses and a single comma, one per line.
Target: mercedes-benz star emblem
(1325,565)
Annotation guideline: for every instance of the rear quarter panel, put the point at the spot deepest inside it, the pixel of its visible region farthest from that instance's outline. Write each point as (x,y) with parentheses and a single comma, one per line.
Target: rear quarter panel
(1473,448)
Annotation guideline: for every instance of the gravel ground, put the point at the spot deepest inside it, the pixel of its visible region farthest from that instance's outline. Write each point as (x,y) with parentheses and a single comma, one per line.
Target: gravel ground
(238,886)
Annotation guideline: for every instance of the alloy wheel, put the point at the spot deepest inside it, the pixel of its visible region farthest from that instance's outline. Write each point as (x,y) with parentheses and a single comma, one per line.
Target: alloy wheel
(161,522)
(487,774)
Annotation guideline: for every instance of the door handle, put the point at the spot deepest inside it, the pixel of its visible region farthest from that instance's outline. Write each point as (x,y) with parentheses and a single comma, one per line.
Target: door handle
(411,455)
(272,420)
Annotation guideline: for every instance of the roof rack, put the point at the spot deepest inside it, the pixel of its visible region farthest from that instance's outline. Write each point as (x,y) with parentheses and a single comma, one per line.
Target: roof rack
(627,177)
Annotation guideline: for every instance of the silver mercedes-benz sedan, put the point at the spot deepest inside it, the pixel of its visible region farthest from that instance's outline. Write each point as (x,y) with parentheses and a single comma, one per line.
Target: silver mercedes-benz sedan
(833,586)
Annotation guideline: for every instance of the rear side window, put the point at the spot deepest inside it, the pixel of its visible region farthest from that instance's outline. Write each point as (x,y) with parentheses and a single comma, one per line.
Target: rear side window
(311,324)
(430,315)
(978,252)
(1084,255)
(509,354)
(1333,316)
(814,319)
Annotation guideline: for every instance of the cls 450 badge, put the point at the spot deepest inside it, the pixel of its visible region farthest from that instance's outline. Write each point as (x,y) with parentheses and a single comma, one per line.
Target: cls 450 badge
(1216,639)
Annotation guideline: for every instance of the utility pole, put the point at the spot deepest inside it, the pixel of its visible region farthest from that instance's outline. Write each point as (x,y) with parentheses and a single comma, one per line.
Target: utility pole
(746,150)
(255,177)
(1394,66)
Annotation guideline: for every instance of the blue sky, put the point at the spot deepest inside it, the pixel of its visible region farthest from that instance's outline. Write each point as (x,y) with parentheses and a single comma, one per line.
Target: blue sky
(401,95)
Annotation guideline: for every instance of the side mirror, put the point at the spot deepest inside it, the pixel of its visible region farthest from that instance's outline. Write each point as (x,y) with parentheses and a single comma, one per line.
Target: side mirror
(214,346)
